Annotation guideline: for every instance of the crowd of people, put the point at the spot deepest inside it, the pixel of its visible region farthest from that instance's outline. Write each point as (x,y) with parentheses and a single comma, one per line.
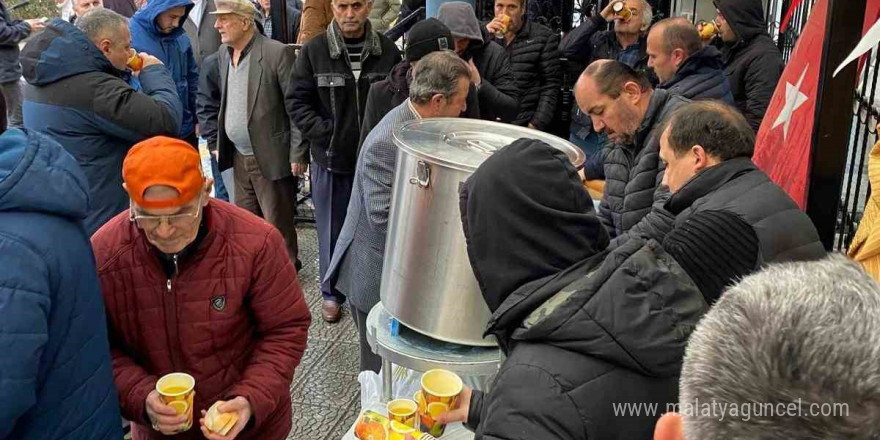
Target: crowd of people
(120,266)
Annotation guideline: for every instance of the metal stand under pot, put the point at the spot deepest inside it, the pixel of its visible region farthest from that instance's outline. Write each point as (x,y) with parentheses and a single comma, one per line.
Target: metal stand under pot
(427,281)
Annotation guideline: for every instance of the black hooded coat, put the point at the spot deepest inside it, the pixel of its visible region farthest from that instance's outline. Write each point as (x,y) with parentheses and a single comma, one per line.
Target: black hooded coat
(586,331)
(752,63)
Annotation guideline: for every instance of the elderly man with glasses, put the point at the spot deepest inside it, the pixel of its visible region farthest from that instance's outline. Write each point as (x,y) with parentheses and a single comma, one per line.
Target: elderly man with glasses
(198,286)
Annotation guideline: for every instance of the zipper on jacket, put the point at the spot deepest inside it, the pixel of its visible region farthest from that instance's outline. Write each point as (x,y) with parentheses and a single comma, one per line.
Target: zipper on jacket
(171,324)
(357,86)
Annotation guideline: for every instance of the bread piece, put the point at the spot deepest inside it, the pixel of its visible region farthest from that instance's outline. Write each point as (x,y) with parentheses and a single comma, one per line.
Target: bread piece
(220,423)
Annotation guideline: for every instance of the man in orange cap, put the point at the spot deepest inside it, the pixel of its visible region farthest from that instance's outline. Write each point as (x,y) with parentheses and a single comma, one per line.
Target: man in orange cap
(196,285)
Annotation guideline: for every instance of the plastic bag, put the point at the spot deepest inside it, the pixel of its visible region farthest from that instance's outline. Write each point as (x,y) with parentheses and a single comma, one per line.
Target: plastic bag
(406,383)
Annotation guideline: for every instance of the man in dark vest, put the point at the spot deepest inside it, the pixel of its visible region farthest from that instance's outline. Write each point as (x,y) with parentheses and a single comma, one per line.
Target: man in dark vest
(728,213)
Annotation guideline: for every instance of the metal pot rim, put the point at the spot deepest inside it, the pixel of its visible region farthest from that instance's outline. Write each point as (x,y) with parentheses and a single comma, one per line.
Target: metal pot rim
(575,154)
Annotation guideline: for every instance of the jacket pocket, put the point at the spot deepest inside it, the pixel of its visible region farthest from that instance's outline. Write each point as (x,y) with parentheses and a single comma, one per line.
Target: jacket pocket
(332,84)
(227,320)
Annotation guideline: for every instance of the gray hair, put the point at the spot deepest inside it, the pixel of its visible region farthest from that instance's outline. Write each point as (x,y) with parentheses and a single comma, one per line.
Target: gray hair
(799,334)
(647,14)
(437,73)
(101,23)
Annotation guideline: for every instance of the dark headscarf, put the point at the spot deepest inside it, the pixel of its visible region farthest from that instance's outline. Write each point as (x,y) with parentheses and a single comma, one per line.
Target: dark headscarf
(526,215)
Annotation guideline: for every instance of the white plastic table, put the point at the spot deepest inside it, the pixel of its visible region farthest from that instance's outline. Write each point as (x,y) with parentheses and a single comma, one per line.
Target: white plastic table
(413,350)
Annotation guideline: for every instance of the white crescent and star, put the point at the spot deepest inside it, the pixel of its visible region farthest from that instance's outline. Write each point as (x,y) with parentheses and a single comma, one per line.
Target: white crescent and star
(794,98)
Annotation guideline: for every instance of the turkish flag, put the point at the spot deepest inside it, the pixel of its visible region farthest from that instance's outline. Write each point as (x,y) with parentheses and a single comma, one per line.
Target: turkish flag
(782,147)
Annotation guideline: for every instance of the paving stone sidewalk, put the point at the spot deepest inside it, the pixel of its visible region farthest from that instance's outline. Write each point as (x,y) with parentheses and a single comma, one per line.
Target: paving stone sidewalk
(325,391)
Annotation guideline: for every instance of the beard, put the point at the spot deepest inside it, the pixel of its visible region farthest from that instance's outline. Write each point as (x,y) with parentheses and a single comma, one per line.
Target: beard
(630,122)
(622,138)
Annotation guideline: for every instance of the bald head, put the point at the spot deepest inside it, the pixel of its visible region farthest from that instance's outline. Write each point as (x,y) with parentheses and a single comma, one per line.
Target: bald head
(616,98)
(610,76)
(670,43)
(679,33)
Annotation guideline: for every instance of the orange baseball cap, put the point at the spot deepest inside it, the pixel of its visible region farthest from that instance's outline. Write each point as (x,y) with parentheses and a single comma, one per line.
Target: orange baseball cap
(165,161)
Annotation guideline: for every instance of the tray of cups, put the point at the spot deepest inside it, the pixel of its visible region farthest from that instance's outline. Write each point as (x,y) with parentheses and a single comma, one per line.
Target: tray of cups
(416,417)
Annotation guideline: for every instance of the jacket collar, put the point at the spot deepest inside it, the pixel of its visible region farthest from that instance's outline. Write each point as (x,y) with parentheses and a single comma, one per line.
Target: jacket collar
(372,43)
(655,109)
(706,59)
(708,181)
(524,33)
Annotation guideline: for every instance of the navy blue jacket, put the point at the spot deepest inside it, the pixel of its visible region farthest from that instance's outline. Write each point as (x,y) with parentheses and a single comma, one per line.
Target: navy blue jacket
(701,76)
(56,380)
(174,49)
(84,103)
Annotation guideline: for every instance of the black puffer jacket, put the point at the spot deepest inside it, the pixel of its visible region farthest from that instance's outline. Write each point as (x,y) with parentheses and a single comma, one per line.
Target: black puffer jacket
(701,77)
(498,92)
(328,103)
(752,63)
(392,91)
(583,329)
(633,172)
(737,186)
(606,334)
(534,57)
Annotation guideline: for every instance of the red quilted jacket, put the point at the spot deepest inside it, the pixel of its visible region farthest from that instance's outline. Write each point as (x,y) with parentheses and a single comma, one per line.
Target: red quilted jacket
(249,347)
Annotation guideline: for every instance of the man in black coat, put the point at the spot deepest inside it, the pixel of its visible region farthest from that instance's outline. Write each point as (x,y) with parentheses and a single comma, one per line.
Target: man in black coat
(490,67)
(573,320)
(12,32)
(609,331)
(752,61)
(725,208)
(330,83)
(683,65)
(623,105)
(534,56)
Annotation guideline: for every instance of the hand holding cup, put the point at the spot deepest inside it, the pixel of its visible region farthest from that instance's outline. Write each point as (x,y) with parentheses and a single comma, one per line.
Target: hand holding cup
(165,419)
(441,390)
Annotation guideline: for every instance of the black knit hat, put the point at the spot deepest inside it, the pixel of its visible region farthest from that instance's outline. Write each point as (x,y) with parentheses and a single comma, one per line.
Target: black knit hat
(427,36)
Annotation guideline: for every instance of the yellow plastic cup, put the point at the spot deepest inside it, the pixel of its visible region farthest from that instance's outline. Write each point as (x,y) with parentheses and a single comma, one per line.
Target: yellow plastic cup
(177,391)
(403,411)
(440,391)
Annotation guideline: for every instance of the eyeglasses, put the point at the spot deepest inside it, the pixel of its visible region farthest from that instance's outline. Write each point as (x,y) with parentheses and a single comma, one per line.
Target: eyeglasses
(180,220)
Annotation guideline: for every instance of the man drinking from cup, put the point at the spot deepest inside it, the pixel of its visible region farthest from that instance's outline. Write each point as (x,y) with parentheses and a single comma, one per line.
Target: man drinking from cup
(534,57)
(197,286)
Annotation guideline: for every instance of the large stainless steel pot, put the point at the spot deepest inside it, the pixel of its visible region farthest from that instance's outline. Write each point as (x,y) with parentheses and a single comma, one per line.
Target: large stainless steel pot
(427,281)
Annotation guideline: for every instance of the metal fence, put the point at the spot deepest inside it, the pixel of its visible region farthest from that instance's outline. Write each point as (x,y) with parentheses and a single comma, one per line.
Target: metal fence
(863,136)
(855,189)
(787,39)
